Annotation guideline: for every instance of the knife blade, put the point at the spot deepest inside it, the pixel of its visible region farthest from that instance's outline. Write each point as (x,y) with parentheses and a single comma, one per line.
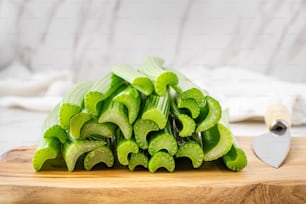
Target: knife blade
(273,146)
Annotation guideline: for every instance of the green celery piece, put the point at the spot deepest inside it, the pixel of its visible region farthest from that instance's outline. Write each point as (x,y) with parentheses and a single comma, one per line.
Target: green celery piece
(187,124)
(73,150)
(49,148)
(116,113)
(142,128)
(217,141)
(93,128)
(101,90)
(212,114)
(161,159)
(191,105)
(52,127)
(138,80)
(77,122)
(101,154)
(189,90)
(130,97)
(193,151)
(72,103)
(125,147)
(138,159)
(163,140)
(157,109)
(153,68)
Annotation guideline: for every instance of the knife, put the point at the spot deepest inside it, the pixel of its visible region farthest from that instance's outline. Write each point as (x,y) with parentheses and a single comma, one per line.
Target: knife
(273,147)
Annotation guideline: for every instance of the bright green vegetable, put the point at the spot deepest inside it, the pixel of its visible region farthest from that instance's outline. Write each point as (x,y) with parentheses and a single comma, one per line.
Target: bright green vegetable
(142,128)
(99,91)
(124,148)
(138,159)
(138,80)
(130,97)
(192,150)
(214,112)
(93,128)
(72,103)
(153,68)
(101,154)
(217,141)
(161,159)
(76,123)
(157,109)
(49,148)
(52,127)
(189,104)
(73,150)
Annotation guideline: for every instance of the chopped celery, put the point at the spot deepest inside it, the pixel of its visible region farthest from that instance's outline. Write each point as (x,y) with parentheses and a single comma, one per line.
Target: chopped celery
(163,140)
(214,112)
(157,109)
(116,113)
(101,154)
(131,99)
(52,127)
(73,150)
(138,159)
(161,159)
(191,105)
(49,148)
(142,128)
(138,80)
(193,151)
(100,90)
(153,68)
(124,148)
(72,103)
(217,141)
(93,128)
(76,123)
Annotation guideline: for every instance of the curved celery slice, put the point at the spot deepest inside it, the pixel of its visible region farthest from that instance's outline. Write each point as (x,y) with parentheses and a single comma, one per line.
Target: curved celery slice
(101,154)
(157,109)
(73,150)
(193,151)
(49,148)
(138,159)
(142,128)
(161,159)
(235,159)
(191,105)
(115,112)
(124,148)
(76,123)
(93,128)
(99,91)
(217,141)
(213,115)
(131,99)
(72,103)
(163,140)
(153,68)
(52,128)
(138,80)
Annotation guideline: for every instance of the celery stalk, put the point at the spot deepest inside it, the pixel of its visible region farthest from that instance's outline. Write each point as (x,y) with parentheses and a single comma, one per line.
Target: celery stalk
(101,154)
(93,128)
(124,148)
(76,123)
(159,160)
(138,80)
(142,128)
(138,159)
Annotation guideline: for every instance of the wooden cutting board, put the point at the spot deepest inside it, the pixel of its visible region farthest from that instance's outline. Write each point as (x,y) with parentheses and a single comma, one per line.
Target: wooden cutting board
(212,183)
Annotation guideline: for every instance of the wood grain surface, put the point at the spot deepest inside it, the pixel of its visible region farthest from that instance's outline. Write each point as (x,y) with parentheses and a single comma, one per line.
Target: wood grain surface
(212,183)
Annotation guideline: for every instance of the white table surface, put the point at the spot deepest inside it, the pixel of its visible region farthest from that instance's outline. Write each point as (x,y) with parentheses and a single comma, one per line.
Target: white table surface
(20,127)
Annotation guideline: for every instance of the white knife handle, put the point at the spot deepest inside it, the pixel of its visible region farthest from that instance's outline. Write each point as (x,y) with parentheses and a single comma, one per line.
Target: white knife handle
(277,113)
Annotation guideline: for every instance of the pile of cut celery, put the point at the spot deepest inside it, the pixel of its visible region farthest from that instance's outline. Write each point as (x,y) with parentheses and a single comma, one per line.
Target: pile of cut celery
(145,118)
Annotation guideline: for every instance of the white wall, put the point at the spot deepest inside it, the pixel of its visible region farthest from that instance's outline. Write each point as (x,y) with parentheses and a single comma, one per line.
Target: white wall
(88,37)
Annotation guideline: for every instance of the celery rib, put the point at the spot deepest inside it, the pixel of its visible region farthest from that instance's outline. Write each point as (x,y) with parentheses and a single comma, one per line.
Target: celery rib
(76,123)
(72,103)
(93,128)
(157,109)
(99,91)
(235,159)
(101,154)
(142,128)
(161,160)
(189,104)
(131,99)
(152,67)
(193,151)
(138,159)
(138,80)
(124,148)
